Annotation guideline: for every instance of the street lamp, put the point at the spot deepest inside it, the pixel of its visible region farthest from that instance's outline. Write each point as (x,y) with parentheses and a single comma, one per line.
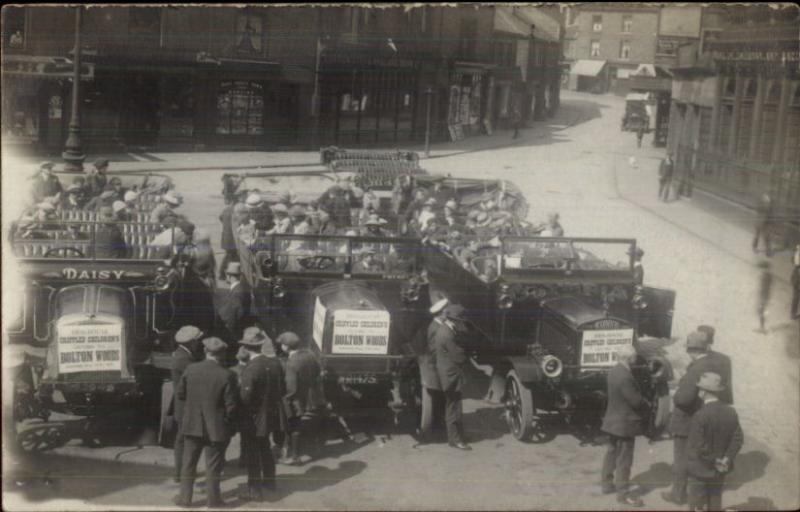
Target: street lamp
(429,94)
(73,152)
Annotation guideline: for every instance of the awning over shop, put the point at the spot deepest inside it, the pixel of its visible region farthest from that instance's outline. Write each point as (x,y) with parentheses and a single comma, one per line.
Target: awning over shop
(505,21)
(588,67)
(44,67)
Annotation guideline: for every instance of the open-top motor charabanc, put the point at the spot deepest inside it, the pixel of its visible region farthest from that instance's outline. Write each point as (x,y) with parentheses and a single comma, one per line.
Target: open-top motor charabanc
(96,331)
(359,301)
(548,315)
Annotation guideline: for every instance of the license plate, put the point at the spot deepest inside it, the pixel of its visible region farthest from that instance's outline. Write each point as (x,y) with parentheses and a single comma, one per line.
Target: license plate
(359,378)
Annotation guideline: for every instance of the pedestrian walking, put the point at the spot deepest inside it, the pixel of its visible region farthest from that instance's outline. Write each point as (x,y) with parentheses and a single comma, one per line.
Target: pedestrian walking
(623,421)
(715,439)
(516,121)
(764,294)
(210,396)
(764,221)
(720,363)
(234,303)
(227,241)
(639,136)
(794,312)
(665,173)
(451,361)
(260,393)
(187,339)
(686,403)
(304,397)
(242,357)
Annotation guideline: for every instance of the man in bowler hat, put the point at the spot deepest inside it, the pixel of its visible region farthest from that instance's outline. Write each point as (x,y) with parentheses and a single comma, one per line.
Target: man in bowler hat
(260,392)
(234,303)
(715,438)
(210,396)
(623,421)
(451,361)
(686,403)
(721,364)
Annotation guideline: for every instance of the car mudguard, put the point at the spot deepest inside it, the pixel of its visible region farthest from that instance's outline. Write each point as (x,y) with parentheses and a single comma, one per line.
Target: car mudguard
(527,368)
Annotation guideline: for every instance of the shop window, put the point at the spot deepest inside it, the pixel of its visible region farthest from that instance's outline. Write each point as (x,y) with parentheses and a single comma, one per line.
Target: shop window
(595,49)
(627,23)
(751,88)
(240,108)
(177,106)
(729,91)
(249,33)
(597,23)
(774,95)
(725,122)
(14,28)
(625,50)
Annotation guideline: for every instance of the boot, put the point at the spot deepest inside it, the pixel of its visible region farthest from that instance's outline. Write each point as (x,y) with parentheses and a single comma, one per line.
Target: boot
(292,457)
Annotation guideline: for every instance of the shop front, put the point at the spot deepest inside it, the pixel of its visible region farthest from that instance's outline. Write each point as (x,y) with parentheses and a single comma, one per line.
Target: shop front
(469,100)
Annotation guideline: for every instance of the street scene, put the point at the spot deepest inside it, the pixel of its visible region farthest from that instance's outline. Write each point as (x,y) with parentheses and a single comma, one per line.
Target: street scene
(493,265)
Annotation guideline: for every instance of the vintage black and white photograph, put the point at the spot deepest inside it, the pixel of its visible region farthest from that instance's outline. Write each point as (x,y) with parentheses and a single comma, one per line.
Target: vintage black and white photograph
(387,256)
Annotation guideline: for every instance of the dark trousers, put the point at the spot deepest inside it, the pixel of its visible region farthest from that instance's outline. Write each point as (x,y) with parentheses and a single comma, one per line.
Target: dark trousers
(663,189)
(178,450)
(452,416)
(617,463)
(679,474)
(762,231)
(215,463)
(260,462)
(705,494)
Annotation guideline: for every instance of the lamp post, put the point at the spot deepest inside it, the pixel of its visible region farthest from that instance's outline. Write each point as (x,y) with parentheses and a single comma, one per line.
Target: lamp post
(429,94)
(73,152)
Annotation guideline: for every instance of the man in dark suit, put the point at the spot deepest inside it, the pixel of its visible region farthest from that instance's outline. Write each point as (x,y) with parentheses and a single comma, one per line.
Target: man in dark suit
(304,394)
(261,386)
(451,360)
(108,239)
(623,421)
(234,304)
(715,438)
(721,365)
(686,404)
(45,183)
(187,338)
(227,241)
(211,398)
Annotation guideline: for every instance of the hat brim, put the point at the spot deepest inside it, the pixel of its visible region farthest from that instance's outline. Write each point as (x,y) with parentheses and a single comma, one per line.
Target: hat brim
(251,343)
(713,389)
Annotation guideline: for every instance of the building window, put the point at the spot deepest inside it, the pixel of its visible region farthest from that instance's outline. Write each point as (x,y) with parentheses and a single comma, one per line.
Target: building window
(177,106)
(240,108)
(625,50)
(568,49)
(627,23)
(595,49)
(249,33)
(366,18)
(14,28)
(504,53)
(597,23)
(144,21)
(423,20)
(467,40)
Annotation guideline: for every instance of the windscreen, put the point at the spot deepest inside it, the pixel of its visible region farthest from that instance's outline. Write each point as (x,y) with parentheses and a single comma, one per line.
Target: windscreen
(566,254)
(309,254)
(384,257)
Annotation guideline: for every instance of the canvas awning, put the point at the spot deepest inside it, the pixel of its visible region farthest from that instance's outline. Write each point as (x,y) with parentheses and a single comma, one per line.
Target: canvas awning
(588,67)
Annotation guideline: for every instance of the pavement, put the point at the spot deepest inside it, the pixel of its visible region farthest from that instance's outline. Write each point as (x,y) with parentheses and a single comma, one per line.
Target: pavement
(576,164)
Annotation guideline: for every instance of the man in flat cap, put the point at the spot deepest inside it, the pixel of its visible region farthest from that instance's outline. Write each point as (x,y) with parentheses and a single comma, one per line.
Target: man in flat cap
(187,339)
(686,403)
(96,179)
(715,439)
(45,184)
(261,395)
(721,364)
(210,396)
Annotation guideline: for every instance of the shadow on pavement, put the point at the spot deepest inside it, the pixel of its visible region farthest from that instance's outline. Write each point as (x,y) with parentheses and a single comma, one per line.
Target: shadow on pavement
(748,467)
(789,332)
(754,503)
(657,476)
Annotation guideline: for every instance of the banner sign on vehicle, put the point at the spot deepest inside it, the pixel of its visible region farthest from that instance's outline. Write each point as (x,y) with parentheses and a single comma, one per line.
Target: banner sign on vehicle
(600,348)
(89,348)
(360,332)
(318,325)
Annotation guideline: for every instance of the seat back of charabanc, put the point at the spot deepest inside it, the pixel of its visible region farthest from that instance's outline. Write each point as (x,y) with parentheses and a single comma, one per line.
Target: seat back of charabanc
(379,174)
(332,153)
(77,240)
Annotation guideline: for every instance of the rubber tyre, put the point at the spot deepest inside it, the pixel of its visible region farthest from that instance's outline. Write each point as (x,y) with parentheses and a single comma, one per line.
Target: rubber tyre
(520,407)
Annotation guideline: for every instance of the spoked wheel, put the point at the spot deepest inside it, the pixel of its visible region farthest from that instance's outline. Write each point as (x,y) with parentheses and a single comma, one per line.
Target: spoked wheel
(519,407)
(39,438)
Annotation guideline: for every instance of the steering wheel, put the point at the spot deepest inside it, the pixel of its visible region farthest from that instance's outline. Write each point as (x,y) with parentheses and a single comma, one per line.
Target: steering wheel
(316,262)
(65,250)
